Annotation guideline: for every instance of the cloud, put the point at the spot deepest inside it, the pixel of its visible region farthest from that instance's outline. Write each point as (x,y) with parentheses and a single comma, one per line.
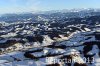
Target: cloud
(33,4)
(21,6)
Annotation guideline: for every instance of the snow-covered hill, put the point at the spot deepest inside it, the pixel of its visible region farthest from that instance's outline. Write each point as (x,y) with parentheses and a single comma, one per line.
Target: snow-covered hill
(51,39)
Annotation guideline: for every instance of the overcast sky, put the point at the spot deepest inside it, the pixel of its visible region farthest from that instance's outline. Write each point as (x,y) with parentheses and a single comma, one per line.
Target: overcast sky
(13,6)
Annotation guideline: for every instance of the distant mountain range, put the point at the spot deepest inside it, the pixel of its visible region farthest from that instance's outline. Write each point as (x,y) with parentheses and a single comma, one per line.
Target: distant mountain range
(50,15)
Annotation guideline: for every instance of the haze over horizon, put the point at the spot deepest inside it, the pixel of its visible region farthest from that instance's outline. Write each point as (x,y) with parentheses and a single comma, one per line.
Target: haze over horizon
(14,6)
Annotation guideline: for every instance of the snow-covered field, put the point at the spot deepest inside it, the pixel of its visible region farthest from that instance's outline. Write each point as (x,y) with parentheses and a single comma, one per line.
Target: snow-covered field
(74,46)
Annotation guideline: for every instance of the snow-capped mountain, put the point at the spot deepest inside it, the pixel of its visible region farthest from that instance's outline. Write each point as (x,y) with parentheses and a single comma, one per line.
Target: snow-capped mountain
(56,39)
